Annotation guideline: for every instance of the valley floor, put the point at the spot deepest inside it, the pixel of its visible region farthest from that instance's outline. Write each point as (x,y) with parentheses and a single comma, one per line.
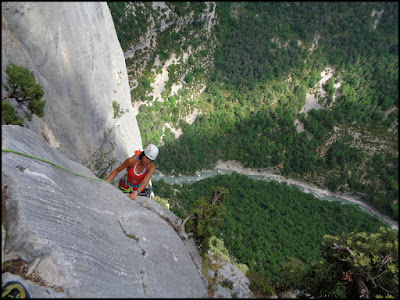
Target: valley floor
(307,188)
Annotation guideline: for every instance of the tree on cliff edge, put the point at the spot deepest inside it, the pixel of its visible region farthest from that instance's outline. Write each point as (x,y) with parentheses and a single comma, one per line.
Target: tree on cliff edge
(22,86)
(204,214)
(355,265)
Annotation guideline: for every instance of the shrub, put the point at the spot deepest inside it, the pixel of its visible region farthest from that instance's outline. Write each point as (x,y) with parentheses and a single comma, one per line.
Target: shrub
(205,213)
(191,60)
(189,78)
(9,115)
(22,86)
(37,107)
(260,285)
(217,246)
(118,112)
(162,201)
(146,83)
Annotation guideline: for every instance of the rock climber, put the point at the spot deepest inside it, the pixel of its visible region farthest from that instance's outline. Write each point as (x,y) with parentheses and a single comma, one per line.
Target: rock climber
(139,169)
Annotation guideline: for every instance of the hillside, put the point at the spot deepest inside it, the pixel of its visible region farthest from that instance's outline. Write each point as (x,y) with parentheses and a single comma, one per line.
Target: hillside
(238,81)
(266,222)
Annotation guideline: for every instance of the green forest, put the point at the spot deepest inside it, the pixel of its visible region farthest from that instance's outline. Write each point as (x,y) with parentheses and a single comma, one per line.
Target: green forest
(249,107)
(266,223)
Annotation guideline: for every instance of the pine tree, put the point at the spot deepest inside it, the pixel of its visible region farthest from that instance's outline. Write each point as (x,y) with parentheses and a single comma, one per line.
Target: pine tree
(204,214)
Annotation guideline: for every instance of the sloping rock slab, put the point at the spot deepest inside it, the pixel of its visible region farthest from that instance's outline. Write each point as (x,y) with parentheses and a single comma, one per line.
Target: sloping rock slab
(84,235)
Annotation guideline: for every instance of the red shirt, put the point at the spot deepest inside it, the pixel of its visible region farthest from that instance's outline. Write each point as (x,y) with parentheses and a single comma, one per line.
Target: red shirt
(135,179)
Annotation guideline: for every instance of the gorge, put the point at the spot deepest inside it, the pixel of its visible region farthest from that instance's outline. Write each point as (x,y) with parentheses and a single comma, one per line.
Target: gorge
(230,167)
(280,92)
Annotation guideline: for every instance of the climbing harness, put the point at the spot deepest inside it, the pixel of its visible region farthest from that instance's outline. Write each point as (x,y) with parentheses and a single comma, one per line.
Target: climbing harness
(146,192)
(128,187)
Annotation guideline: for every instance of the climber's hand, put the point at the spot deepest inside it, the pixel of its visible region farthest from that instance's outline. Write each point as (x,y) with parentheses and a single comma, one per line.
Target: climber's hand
(134,195)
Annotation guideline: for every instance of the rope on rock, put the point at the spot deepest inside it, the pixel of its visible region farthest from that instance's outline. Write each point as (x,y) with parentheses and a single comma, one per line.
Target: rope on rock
(49,162)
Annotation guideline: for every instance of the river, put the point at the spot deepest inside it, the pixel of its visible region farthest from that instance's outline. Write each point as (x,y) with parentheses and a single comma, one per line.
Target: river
(227,168)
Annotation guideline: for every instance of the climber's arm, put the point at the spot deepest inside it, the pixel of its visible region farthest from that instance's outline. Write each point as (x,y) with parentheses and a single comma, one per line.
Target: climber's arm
(128,162)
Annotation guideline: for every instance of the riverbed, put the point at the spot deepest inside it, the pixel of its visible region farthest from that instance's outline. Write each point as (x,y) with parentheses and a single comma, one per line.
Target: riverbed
(228,167)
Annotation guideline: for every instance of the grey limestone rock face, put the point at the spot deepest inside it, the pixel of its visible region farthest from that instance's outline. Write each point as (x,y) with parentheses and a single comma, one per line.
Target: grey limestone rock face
(231,275)
(73,51)
(84,235)
(222,292)
(230,282)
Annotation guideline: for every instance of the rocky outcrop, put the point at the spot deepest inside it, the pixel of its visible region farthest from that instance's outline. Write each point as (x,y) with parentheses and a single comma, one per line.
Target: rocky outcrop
(226,280)
(231,283)
(73,51)
(84,236)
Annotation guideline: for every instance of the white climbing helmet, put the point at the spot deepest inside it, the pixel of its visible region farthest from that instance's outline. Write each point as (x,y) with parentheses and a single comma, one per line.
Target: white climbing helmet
(151,151)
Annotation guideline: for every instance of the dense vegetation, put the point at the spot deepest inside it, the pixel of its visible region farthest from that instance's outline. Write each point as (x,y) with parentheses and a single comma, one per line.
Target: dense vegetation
(129,26)
(248,109)
(244,125)
(132,20)
(267,223)
(354,265)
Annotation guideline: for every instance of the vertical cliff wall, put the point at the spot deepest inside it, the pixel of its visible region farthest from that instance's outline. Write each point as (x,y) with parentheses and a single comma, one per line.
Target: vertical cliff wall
(73,51)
